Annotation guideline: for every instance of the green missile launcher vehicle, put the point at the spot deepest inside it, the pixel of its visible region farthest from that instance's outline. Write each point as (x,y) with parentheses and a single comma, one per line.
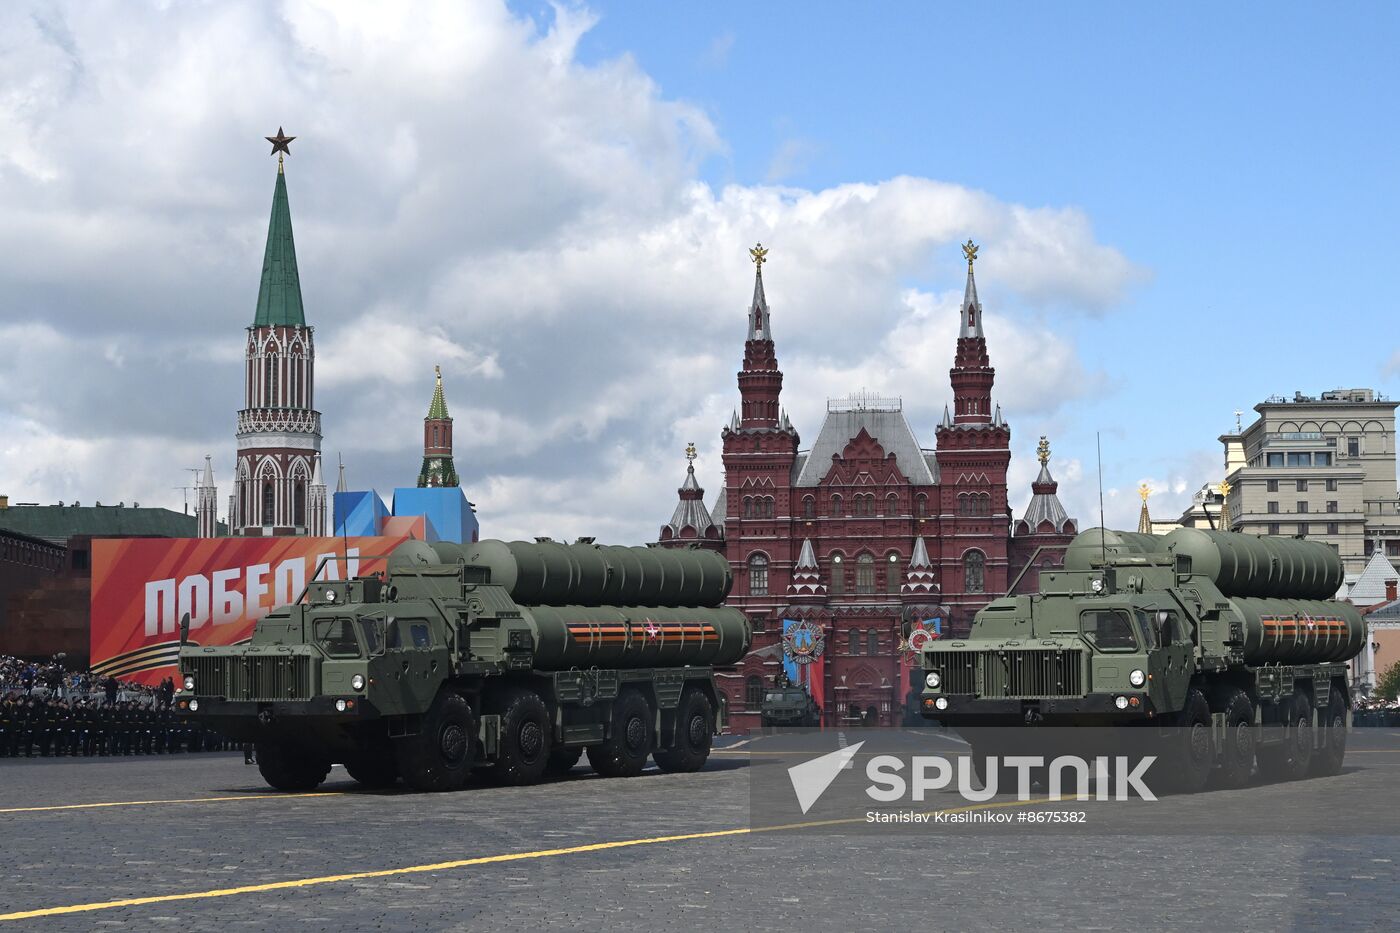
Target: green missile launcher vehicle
(1231,644)
(506,659)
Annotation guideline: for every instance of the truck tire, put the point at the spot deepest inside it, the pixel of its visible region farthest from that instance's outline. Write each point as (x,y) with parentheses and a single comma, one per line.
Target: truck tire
(1328,757)
(375,770)
(526,738)
(1237,756)
(439,757)
(695,720)
(624,752)
(1290,759)
(1189,752)
(289,770)
(562,759)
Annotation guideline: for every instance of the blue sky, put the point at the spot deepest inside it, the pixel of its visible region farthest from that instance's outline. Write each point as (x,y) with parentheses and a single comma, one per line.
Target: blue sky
(1182,210)
(1244,154)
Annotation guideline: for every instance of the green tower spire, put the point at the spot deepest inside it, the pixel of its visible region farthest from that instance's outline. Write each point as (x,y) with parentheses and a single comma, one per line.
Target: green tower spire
(279,294)
(438,407)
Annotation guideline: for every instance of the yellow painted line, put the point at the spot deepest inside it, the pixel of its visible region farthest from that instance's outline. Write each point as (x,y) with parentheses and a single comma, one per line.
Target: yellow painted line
(466,863)
(151,803)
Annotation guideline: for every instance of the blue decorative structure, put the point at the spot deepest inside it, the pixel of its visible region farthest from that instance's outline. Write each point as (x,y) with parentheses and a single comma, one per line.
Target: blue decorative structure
(361,512)
(447,508)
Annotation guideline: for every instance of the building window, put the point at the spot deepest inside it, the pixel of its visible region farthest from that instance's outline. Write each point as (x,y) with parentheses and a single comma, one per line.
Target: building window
(759,622)
(892,580)
(838,576)
(1297,459)
(1272,507)
(753,691)
(1273,485)
(1331,505)
(1275,460)
(1302,507)
(267,504)
(865,575)
(269,381)
(1322,459)
(891,504)
(1331,485)
(298,503)
(854,638)
(747,511)
(872,642)
(974,572)
(1332,528)
(1302,528)
(921,505)
(835,505)
(1302,485)
(809,507)
(1273,528)
(758,575)
(1353,447)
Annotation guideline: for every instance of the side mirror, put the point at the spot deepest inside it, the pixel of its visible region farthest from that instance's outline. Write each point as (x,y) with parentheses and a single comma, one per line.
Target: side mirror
(184,629)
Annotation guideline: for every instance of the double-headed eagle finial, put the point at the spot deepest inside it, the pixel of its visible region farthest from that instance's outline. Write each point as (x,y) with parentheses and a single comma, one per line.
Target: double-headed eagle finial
(1144,490)
(760,256)
(690,453)
(1042,450)
(970,251)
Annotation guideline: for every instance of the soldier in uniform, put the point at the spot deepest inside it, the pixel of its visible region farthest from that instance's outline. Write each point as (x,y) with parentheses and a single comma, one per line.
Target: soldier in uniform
(7,728)
(29,716)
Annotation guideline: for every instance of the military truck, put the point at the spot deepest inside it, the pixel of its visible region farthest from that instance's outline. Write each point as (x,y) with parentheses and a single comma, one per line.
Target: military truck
(509,660)
(788,705)
(1229,644)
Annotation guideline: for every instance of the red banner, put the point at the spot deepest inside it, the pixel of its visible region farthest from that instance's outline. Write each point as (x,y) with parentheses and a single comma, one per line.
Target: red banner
(141,587)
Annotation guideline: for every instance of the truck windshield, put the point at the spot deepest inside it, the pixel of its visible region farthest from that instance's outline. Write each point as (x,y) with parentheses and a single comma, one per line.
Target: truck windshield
(337,637)
(1108,630)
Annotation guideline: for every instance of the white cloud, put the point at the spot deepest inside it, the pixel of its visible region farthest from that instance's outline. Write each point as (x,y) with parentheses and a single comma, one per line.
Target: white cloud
(464,192)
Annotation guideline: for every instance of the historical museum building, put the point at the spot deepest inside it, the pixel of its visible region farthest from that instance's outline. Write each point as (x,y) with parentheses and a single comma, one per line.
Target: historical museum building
(846,552)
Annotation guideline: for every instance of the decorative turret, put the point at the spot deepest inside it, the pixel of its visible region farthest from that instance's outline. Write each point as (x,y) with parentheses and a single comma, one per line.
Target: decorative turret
(1144,520)
(1045,503)
(920,579)
(691,521)
(972,374)
(806,575)
(316,502)
(438,468)
(206,495)
(340,483)
(760,380)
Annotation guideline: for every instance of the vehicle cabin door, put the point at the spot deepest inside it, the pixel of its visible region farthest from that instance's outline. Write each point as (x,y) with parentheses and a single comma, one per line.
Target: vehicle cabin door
(417,664)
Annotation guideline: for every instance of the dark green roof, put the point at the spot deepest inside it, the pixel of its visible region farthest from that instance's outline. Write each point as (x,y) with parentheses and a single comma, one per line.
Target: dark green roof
(58,523)
(437,408)
(279,294)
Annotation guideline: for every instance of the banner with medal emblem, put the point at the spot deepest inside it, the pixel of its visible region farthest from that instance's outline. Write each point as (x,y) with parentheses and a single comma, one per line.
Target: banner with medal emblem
(804,656)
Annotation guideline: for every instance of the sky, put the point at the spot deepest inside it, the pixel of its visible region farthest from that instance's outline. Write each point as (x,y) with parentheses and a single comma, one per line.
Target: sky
(1181,211)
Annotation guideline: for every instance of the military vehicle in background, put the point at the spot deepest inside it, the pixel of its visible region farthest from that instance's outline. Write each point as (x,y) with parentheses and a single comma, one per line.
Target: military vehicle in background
(507,659)
(788,705)
(1232,641)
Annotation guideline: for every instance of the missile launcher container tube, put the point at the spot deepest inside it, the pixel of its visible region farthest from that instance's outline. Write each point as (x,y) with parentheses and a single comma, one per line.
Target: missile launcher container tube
(507,661)
(1230,645)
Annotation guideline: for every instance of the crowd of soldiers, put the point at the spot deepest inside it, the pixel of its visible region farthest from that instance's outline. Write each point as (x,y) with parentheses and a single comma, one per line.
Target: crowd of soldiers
(31,726)
(49,712)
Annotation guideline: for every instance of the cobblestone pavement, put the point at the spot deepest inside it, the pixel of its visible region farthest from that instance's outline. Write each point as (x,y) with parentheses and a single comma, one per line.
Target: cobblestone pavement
(236,833)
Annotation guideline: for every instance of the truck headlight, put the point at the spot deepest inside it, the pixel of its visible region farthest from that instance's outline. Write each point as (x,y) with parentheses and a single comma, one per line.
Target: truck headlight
(194,706)
(941,702)
(189,682)
(1120,702)
(357,682)
(1137,678)
(933,680)
(340,706)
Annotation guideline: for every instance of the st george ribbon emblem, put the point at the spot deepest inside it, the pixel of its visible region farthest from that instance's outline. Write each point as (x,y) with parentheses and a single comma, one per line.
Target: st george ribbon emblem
(803,641)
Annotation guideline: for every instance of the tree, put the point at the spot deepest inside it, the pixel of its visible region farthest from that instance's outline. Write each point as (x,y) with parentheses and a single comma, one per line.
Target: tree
(1388,687)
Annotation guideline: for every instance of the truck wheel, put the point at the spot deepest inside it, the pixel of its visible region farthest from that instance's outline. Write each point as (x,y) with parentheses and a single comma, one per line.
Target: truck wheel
(624,752)
(1189,753)
(289,770)
(1290,759)
(526,737)
(375,770)
(1237,757)
(562,759)
(695,721)
(1327,759)
(439,757)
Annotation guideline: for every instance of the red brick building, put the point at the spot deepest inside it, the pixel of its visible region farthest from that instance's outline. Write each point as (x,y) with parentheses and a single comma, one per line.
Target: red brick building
(866,536)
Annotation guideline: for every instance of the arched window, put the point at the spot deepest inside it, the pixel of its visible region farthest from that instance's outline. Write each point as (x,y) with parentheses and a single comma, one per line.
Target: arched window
(872,642)
(298,502)
(854,646)
(809,507)
(748,507)
(437,436)
(836,504)
(865,575)
(269,380)
(298,377)
(838,576)
(974,572)
(768,506)
(892,575)
(891,504)
(758,575)
(921,505)
(753,691)
(268,503)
